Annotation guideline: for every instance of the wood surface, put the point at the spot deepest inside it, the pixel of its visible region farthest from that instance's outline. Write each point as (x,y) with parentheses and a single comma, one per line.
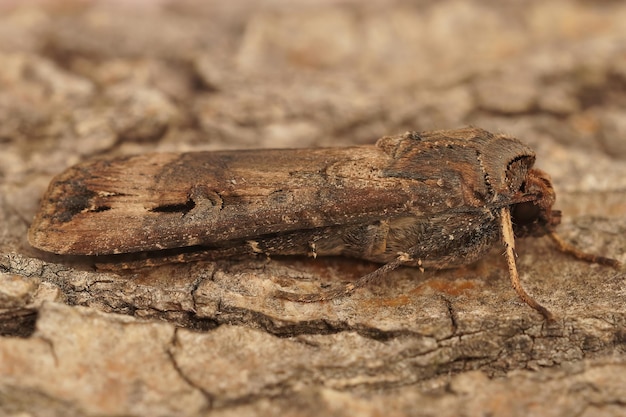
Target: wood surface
(101,79)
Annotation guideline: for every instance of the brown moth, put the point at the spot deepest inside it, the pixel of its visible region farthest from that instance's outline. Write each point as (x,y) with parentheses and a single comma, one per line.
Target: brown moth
(432,199)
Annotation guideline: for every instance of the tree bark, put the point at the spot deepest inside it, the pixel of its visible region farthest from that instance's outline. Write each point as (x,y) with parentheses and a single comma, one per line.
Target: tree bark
(204,338)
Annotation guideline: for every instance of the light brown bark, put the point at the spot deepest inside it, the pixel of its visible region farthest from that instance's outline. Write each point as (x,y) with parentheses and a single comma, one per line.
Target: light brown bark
(208,338)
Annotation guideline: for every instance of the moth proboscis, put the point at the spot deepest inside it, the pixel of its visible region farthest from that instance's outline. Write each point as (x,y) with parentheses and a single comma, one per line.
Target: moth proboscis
(436,199)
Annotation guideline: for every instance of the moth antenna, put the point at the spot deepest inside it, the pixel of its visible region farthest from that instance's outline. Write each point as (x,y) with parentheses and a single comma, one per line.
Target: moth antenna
(572,250)
(509,243)
(346,289)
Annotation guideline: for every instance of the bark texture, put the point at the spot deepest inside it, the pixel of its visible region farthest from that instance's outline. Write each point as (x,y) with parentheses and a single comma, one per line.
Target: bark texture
(81,79)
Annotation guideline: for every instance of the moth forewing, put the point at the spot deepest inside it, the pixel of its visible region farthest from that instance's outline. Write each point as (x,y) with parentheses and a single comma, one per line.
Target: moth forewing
(160,201)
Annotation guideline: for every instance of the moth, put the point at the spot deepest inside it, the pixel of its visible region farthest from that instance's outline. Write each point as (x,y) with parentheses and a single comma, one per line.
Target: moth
(436,199)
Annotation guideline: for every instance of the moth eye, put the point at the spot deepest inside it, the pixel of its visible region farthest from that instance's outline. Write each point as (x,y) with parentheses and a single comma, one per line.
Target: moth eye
(524,213)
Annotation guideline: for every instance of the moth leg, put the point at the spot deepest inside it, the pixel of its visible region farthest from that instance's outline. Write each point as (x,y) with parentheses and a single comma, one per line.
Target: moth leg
(565,247)
(346,289)
(509,242)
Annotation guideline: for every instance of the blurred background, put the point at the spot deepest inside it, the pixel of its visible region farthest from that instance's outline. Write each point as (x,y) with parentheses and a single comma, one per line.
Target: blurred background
(85,77)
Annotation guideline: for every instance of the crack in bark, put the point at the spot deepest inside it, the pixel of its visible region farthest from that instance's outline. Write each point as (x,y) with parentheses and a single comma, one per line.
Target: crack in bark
(451,314)
(172,357)
(53,352)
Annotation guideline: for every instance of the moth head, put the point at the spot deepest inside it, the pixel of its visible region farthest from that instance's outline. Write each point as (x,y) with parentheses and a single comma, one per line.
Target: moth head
(534,215)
